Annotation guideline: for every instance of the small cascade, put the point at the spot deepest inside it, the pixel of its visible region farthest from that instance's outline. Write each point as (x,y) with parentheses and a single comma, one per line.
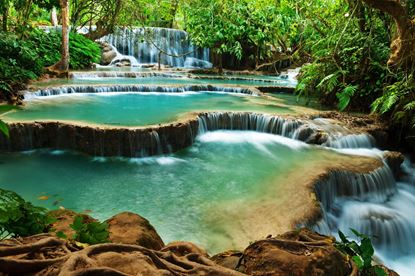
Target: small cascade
(144,44)
(248,121)
(120,58)
(351,141)
(374,204)
(376,186)
(123,74)
(136,88)
(156,144)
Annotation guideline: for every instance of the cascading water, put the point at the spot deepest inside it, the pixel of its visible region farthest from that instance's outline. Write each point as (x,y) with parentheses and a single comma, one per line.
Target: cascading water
(145,45)
(373,204)
(248,121)
(136,88)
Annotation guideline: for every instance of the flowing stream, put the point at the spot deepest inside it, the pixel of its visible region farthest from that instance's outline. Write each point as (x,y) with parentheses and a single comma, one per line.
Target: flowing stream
(237,160)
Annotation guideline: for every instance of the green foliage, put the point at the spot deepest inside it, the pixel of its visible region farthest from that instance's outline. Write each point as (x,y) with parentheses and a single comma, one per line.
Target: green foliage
(83,51)
(19,218)
(4,128)
(349,67)
(398,101)
(234,27)
(23,59)
(361,254)
(90,233)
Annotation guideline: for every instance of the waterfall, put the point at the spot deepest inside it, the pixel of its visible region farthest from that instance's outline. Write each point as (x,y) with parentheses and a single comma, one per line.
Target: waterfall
(123,74)
(248,121)
(135,88)
(144,45)
(351,141)
(374,204)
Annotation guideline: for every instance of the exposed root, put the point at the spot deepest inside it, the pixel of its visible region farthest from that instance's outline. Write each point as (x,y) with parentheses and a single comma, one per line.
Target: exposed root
(34,257)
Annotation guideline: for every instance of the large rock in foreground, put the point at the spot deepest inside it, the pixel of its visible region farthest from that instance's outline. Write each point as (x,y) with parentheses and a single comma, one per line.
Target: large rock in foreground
(294,253)
(129,228)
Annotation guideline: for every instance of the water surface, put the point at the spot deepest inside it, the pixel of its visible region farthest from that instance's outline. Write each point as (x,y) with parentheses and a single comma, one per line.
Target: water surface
(140,109)
(178,193)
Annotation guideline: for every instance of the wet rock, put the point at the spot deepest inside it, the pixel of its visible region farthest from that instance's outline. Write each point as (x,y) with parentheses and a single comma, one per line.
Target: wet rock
(294,253)
(122,63)
(108,53)
(229,259)
(64,218)
(394,160)
(181,248)
(381,137)
(100,141)
(130,228)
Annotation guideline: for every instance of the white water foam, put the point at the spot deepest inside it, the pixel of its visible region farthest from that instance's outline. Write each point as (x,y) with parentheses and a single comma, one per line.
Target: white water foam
(254,138)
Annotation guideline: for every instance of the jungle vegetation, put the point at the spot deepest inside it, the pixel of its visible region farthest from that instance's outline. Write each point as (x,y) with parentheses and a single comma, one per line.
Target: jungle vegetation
(357,55)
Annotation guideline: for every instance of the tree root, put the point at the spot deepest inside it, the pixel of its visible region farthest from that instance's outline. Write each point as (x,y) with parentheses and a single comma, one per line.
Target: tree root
(101,259)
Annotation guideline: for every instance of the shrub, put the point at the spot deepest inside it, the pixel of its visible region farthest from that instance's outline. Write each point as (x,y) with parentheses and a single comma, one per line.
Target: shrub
(361,253)
(19,218)
(23,59)
(83,51)
(90,233)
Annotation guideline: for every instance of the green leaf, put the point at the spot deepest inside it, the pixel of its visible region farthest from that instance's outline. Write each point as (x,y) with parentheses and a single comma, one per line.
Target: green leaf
(4,129)
(343,237)
(77,224)
(358,261)
(61,235)
(379,271)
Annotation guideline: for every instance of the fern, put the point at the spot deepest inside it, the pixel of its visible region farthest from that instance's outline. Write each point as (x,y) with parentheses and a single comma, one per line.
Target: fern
(345,96)
(410,106)
(329,82)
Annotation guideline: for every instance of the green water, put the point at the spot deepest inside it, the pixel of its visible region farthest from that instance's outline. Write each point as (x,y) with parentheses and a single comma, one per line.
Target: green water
(177,193)
(139,109)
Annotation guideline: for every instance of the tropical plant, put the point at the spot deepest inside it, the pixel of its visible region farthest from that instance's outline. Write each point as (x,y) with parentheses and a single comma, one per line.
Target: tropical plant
(4,128)
(361,252)
(398,101)
(89,232)
(23,59)
(349,68)
(19,218)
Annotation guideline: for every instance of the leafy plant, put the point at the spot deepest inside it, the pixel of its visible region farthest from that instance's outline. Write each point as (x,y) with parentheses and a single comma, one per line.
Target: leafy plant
(89,232)
(23,58)
(360,252)
(398,100)
(4,128)
(19,218)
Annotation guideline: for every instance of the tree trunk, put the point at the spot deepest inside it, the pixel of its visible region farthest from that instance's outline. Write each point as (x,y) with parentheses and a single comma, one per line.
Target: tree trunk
(63,65)
(220,64)
(403,47)
(5,18)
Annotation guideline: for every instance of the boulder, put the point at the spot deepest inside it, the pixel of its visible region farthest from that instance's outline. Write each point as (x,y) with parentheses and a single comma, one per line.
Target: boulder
(181,248)
(299,252)
(229,259)
(130,228)
(108,53)
(122,63)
